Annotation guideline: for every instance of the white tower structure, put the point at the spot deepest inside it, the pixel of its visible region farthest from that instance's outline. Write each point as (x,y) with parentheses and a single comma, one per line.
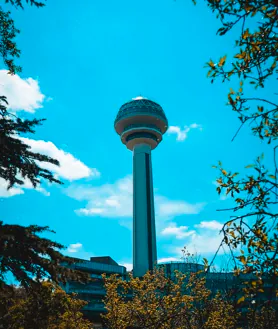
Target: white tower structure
(141,124)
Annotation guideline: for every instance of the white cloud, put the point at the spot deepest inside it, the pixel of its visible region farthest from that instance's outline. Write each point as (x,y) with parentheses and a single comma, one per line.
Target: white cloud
(128,266)
(74,247)
(196,125)
(166,207)
(116,200)
(109,200)
(5,193)
(22,94)
(182,132)
(202,243)
(179,232)
(70,168)
(18,189)
(211,225)
(204,239)
(168,259)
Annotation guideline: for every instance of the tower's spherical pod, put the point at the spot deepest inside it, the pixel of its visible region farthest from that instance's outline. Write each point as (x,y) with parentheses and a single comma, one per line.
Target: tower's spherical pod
(141,121)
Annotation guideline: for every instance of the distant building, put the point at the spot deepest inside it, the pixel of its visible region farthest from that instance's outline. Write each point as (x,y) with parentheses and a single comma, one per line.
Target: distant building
(93,292)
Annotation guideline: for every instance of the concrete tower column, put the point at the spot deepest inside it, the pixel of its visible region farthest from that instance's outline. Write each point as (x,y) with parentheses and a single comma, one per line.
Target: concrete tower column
(144,237)
(141,124)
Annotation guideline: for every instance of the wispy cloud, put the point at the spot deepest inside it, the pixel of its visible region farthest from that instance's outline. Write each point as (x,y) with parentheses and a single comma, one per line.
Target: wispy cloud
(179,232)
(19,189)
(22,94)
(168,259)
(115,200)
(211,225)
(5,193)
(172,208)
(205,238)
(181,133)
(74,247)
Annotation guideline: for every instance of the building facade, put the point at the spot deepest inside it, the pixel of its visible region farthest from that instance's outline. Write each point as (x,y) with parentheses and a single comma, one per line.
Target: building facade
(93,292)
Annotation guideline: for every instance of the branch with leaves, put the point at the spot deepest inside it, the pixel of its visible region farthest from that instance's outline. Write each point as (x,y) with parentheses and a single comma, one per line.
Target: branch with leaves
(251,231)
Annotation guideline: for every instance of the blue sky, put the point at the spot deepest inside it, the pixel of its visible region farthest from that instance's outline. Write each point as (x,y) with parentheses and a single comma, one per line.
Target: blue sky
(81,62)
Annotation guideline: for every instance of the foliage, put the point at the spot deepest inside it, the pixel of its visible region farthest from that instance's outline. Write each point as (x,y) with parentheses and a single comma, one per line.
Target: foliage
(182,301)
(156,301)
(254,229)
(31,258)
(19,3)
(51,308)
(23,252)
(8,48)
(17,161)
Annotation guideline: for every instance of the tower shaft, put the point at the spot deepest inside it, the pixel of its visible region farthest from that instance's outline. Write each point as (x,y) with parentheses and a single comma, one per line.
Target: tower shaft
(144,237)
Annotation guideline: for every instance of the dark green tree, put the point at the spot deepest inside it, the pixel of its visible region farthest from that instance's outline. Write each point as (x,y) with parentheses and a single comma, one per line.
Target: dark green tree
(31,258)
(23,252)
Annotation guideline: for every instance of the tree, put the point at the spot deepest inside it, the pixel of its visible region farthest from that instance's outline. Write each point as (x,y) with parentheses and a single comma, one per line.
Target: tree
(157,301)
(180,301)
(51,308)
(17,161)
(23,252)
(254,227)
(31,258)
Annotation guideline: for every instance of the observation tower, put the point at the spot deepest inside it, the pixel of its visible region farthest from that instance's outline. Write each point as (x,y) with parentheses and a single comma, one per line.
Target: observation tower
(141,124)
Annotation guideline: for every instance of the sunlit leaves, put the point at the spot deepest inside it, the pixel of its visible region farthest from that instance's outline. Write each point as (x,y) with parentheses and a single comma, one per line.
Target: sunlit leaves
(49,308)
(222,61)
(241,300)
(253,223)
(160,301)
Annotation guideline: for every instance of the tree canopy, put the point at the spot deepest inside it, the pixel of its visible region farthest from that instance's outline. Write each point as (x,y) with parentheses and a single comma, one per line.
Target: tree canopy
(51,308)
(253,226)
(23,252)
(182,301)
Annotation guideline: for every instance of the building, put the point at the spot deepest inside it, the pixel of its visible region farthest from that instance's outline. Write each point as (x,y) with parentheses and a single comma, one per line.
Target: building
(141,124)
(93,292)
